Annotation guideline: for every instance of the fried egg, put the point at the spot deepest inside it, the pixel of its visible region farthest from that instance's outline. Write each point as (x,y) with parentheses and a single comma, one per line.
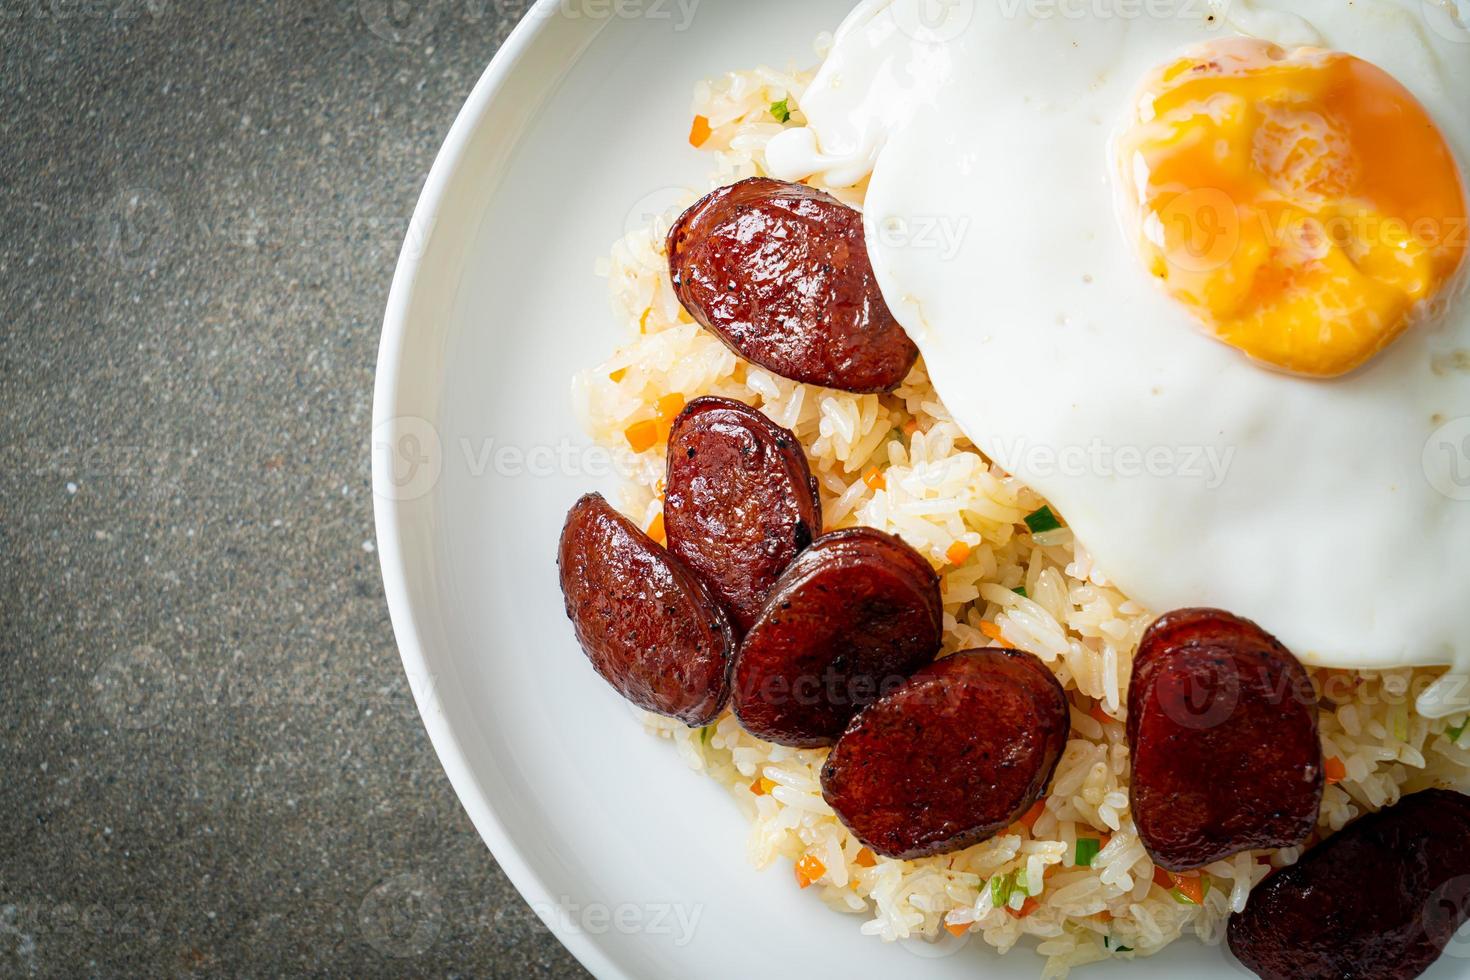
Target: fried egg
(1196,273)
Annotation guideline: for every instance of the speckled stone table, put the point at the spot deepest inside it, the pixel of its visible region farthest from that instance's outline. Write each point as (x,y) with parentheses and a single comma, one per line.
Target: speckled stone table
(210,762)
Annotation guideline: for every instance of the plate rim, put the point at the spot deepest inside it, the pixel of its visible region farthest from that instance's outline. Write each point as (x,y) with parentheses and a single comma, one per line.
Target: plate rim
(388,527)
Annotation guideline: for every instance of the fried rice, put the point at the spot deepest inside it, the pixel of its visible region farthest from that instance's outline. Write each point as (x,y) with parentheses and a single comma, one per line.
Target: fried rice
(899,463)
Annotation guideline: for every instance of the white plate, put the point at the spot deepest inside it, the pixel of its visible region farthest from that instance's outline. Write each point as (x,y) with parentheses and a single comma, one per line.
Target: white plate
(574,134)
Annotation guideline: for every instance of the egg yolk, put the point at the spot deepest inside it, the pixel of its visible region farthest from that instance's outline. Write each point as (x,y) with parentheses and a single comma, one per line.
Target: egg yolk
(1302,205)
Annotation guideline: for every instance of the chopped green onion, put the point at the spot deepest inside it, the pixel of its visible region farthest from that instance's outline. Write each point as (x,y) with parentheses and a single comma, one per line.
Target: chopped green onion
(782,110)
(1455,733)
(1042,521)
(1087,849)
(1001,887)
(1184,899)
(1021,592)
(705,734)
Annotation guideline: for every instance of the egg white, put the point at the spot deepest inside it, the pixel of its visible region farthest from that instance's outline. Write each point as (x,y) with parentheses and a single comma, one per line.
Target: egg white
(1321,509)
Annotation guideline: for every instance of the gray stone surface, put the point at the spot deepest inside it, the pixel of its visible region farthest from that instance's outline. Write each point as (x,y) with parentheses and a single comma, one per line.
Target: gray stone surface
(210,763)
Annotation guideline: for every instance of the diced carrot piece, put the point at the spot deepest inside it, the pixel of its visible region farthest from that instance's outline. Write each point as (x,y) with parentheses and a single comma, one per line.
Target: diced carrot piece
(1190,885)
(656,529)
(993,632)
(1192,888)
(875,479)
(1034,814)
(669,407)
(619,374)
(1336,771)
(1105,915)
(809,871)
(1027,907)
(865,858)
(910,427)
(957,553)
(642,436)
(757,788)
(957,929)
(700,132)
